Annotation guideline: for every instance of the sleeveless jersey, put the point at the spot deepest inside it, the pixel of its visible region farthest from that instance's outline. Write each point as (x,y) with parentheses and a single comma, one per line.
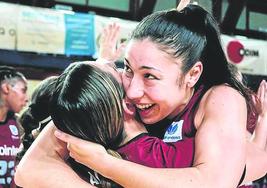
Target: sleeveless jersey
(176,149)
(153,152)
(9,146)
(183,126)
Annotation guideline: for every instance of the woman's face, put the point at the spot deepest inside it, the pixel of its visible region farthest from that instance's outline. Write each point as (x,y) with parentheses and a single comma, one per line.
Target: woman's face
(17,97)
(153,81)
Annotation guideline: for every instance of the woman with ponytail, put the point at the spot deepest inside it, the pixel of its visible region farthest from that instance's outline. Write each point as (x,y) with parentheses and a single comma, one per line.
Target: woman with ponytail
(176,73)
(87,101)
(13,97)
(36,116)
(177,78)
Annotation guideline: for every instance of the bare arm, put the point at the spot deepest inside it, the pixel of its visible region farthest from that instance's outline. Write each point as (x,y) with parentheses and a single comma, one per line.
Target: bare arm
(110,50)
(219,132)
(43,165)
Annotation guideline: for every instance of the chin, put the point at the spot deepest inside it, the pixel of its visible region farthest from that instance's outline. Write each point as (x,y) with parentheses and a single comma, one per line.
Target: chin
(149,122)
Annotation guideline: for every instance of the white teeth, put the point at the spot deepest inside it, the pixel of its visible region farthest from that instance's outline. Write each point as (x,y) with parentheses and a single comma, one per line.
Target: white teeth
(143,106)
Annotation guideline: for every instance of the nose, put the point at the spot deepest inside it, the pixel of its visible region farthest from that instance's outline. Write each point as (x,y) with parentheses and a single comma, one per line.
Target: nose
(26,99)
(135,89)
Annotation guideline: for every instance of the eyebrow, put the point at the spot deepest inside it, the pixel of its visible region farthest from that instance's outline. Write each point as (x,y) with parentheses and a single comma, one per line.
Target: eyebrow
(143,67)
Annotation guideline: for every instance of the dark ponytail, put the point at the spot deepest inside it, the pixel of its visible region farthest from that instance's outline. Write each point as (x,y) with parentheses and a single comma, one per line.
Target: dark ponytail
(192,35)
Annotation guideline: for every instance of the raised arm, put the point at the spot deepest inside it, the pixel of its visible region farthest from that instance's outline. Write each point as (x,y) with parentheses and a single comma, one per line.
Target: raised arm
(259,136)
(256,153)
(219,132)
(110,48)
(43,164)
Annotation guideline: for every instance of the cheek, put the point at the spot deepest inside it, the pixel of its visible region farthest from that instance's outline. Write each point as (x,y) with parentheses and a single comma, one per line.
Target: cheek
(19,96)
(166,98)
(163,92)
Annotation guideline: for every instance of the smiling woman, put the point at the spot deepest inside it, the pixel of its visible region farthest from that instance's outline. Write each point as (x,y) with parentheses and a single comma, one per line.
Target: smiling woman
(13,97)
(176,71)
(175,75)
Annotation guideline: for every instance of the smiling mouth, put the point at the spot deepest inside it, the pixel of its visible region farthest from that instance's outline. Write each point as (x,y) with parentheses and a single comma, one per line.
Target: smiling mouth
(143,107)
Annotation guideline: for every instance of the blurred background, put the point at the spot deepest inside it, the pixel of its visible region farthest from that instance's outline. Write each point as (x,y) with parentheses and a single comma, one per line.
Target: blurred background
(42,37)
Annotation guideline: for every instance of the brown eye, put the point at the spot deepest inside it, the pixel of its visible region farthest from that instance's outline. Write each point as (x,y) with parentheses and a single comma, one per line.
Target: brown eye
(150,77)
(127,70)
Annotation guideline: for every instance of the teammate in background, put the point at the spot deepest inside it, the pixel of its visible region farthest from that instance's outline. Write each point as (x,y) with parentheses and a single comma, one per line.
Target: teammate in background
(36,115)
(13,97)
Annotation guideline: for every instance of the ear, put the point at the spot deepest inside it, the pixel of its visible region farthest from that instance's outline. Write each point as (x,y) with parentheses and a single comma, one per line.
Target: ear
(194,74)
(128,108)
(5,87)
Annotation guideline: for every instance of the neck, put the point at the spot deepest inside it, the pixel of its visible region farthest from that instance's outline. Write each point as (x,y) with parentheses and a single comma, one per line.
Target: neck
(182,106)
(3,113)
(132,128)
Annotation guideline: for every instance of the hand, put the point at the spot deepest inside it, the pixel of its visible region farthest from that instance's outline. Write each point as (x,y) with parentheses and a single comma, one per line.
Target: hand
(262,96)
(88,153)
(182,4)
(260,133)
(110,49)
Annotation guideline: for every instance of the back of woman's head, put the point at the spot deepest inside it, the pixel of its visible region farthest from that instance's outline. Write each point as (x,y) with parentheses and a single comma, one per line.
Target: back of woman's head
(38,109)
(87,103)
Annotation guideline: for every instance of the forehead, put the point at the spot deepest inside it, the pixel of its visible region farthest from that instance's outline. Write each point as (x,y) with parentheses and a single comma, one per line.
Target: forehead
(17,81)
(20,83)
(147,53)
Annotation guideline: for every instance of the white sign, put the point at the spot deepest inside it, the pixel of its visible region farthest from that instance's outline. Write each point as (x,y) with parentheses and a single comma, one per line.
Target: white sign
(8,25)
(249,55)
(41,30)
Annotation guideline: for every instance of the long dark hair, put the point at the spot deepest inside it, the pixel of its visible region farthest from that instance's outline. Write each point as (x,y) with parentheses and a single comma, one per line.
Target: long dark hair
(37,114)
(192,34)
(87,103)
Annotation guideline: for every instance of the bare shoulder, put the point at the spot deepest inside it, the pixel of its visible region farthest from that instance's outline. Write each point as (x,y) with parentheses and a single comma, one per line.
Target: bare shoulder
(220,101)
(223,94)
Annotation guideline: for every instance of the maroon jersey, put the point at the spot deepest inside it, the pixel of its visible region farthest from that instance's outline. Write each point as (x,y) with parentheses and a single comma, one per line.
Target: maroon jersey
(247,186)
(9,146)
(175,150)
(153,152)
(183,126)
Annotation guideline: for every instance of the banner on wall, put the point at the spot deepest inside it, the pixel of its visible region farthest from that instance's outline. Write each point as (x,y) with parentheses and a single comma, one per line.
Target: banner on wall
(247,54)
(40,30)
(79,34)
(8,25)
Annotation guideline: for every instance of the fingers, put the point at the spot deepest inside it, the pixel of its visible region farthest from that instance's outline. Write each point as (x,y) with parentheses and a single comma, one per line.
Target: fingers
(262,90)
(114,32)
(262,96)
(66,138)
(182,4)
(109,48)
(110,33)
(120,50)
